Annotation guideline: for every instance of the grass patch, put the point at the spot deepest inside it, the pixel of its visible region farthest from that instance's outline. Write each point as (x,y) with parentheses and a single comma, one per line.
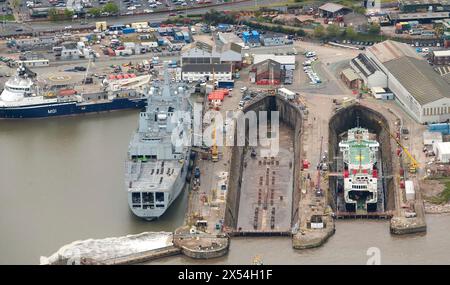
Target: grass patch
(444,196)
(366,38)
(8,17)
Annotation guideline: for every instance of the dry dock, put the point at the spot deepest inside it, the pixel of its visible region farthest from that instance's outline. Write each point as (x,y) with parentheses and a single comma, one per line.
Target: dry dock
(266,194)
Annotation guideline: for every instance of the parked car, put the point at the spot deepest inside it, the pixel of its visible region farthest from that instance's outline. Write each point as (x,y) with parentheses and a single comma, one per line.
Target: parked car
(197,172)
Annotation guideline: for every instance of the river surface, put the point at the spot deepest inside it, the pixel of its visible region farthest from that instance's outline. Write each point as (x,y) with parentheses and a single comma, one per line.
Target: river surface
(61,180)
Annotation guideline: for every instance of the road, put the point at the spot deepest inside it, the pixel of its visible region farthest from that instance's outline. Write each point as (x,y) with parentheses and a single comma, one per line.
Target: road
(9,28)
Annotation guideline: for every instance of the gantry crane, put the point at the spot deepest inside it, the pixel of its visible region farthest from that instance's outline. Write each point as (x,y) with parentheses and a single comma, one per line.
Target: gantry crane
(413,165)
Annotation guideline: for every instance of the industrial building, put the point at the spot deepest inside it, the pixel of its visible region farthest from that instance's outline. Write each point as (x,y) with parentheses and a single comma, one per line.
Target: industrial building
(228,38)
(38,62)
(268,71)
(411,6)
(35,42)
(440,57)
(287,62)
(207,72)
(70,51)
(332,10)
(444,72)
(366,69)
(442,151)
(418,88)
(351,79)
(274,40)
(421,17)
(203,53)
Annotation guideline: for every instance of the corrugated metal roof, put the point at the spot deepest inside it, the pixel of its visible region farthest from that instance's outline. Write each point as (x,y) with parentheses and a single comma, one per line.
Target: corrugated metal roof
(332,7)
(390,50)
(282,59)
(350,74)
(419,79)
(442,52)
(442,70)
(364,65)
(424,2)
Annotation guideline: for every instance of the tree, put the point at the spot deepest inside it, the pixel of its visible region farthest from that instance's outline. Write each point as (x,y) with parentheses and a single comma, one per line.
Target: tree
(53,14)
(374,29)
(319,31)
(111,8)
(68,14)
(439,29)
(359,10)
(350,33)
(95,11)
(333,31)
(15,3)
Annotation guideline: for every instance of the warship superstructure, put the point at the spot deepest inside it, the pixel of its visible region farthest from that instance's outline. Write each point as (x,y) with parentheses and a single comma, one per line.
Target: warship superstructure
(159,152)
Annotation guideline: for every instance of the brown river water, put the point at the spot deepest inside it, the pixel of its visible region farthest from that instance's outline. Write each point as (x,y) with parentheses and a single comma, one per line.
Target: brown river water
(61,180)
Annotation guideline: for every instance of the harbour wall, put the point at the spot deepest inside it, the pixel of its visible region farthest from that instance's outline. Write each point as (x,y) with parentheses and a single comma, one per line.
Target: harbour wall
(144,256)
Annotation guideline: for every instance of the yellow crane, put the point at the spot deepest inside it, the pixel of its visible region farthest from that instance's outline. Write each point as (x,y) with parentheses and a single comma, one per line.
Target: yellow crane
(413,165)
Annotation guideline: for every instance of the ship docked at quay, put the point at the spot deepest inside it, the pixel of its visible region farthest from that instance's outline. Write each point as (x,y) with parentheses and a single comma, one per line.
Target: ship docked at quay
(21,98)
(159,151)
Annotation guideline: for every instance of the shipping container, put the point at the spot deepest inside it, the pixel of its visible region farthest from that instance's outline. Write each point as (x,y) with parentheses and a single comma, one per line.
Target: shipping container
(443,128)
(128,31)
(225,84)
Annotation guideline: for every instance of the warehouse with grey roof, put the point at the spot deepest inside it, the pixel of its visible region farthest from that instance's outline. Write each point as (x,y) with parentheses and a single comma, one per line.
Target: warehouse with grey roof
(417,87)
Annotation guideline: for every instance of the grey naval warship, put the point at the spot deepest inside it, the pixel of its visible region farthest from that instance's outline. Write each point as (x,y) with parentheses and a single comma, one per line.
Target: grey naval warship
(159,151)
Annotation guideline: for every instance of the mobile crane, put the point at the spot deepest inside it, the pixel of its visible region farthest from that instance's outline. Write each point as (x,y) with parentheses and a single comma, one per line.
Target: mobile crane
(413,165)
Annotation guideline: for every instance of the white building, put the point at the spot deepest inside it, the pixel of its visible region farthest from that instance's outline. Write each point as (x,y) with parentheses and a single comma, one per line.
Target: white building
(430,138)
(34,62)
(370,73)
(196,72)
(70,51)
(442,151)
(203,53)
(421,92)
(228,38)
